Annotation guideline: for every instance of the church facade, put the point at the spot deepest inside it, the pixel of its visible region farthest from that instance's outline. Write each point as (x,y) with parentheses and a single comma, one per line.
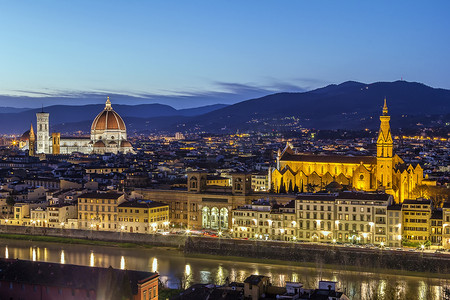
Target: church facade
(384,172)
(108,135)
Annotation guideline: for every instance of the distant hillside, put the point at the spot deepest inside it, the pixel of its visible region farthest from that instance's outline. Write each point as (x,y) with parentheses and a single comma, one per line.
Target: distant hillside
(17,121)
(350,105)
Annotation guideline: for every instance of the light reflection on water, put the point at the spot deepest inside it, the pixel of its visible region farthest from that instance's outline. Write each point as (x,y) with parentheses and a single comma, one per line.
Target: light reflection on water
(176,270)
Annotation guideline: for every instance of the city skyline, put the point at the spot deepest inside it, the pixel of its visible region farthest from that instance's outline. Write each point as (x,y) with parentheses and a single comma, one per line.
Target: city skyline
(212,51)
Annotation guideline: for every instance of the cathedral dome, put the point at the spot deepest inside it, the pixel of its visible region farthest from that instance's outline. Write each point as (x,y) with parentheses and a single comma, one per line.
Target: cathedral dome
(125,144)
(99,144)
(108,119)
(25,136)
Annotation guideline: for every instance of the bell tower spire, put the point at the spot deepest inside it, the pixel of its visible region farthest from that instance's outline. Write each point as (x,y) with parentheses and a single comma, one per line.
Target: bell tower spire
(385,108)
(385,147)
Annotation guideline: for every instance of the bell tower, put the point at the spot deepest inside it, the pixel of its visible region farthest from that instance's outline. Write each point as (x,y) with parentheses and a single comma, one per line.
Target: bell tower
(31,142)
(385,147)
(42,141)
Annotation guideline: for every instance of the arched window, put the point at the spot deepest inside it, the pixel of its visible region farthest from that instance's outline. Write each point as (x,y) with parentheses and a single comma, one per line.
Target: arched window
(223,223)
(214,218)
(205,217)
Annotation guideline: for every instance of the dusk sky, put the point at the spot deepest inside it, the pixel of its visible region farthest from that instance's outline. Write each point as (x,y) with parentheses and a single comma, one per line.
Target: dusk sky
(214,51)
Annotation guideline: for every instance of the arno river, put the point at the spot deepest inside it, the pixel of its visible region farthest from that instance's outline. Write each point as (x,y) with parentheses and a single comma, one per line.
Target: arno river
(176,269)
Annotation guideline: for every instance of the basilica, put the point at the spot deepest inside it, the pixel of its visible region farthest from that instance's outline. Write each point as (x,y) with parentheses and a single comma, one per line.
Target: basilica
(384,172)
(108,135)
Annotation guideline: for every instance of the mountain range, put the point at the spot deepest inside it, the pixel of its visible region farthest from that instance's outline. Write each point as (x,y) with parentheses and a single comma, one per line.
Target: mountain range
(350,105)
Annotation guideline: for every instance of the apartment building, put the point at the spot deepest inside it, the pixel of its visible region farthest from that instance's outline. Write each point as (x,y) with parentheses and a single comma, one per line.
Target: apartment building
(316,217)
(446,225)
(394,236)
(58,214)
(416,221)
(436,227)
(143,216)
(362,217)
(98,211)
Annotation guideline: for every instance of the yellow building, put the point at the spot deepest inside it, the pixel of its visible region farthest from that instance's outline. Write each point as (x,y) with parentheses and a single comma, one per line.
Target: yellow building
(416,220)
(385,171)
(143,216)
(262,220)
(98,211)
(446,225)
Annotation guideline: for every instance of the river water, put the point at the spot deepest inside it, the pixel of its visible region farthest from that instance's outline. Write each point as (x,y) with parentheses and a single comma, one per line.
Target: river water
(177,270)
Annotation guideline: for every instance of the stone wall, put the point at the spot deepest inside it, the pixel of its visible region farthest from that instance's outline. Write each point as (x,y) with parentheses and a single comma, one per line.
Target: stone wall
(122,237)
(322,254)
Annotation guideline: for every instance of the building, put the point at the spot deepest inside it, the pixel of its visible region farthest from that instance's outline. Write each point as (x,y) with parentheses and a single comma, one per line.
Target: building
(346,217)
(436,228)
(108,135)
(260,182)
(385,171)
(446,225)
(143,216)
(98,211)
(394,237)
(265,220)
(416,215)
(316,217)
(255,286)
(21,279)
(59,214)
(362,217)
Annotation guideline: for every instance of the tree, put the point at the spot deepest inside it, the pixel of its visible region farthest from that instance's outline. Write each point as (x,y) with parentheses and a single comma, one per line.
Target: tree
(10,201)
(295,189)
(290,189)
(311,187)
(282,187)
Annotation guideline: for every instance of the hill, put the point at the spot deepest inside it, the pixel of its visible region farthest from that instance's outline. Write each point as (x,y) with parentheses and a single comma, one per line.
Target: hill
(350,105)
(71,118)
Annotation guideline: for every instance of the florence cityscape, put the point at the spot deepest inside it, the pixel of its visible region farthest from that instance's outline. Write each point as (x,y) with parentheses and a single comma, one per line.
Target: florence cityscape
(224,150)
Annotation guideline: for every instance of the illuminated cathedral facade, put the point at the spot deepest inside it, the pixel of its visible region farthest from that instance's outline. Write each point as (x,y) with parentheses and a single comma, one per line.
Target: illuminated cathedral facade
(384,172)
(108,135)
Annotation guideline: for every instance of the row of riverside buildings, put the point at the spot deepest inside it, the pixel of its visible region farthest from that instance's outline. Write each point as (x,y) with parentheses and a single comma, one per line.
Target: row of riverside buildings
(345,217)
(108,211)
(342,217)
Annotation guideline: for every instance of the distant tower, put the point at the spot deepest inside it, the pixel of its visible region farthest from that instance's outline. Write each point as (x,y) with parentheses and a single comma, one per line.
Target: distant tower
(385,152)
(42,132)
(278,159)
(31,142)
(56,137)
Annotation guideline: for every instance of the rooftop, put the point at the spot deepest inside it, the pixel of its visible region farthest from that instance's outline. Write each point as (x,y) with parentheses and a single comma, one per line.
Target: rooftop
(101,195)
(71,276)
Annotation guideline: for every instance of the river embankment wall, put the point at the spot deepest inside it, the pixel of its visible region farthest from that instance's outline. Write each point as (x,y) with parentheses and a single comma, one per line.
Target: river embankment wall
(107,236)
(321,255)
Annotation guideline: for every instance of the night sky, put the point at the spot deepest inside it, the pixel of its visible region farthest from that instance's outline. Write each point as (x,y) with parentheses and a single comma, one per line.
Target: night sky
(213,51)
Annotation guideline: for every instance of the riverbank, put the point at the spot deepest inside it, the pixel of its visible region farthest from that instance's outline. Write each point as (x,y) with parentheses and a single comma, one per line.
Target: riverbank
(321,255)
(64,240)
(347,268)
(241,259)
(301,254)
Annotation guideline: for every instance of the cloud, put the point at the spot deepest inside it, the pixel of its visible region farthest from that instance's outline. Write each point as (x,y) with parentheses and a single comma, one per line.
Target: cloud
(221,92)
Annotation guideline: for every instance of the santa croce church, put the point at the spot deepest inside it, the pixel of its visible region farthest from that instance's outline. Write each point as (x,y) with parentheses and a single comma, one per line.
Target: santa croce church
(385,172)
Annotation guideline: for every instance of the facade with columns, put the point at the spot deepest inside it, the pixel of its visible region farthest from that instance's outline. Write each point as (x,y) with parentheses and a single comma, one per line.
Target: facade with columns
(386,171)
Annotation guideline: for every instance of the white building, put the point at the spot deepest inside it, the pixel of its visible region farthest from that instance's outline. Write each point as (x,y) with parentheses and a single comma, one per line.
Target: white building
(108,135)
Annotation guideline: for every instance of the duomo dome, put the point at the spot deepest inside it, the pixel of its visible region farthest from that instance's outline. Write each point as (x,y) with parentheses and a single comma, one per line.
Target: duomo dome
(108,132)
